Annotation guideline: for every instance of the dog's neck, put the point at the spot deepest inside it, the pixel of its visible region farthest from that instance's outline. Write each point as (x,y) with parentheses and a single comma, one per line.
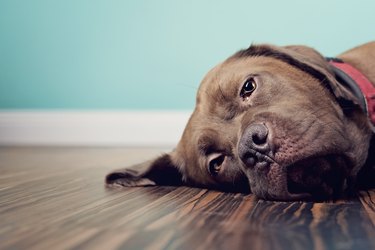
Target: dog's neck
(357,84)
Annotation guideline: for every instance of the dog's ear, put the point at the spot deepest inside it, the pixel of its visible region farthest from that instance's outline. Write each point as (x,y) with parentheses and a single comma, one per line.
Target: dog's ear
(160,171)
(322,68)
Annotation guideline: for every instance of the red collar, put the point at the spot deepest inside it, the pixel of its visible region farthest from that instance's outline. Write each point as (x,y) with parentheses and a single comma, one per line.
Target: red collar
(364,88)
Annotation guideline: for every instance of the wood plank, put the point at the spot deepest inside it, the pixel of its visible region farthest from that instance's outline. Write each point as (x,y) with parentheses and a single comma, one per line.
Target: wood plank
(56,198)
(368,201)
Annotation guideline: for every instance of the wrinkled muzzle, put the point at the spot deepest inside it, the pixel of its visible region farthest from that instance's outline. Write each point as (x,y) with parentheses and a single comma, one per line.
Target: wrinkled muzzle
(313,177)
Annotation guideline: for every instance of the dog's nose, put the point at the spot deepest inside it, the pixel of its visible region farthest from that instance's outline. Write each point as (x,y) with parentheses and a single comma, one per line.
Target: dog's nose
(257,136)
(254,144)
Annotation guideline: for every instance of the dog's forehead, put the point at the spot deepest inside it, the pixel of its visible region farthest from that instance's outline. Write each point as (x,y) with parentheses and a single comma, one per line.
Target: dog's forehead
(230,74)
(229,70)
(219,92)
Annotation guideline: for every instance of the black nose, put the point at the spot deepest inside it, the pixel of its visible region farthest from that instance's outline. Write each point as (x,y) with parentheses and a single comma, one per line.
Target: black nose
(254,144)
(256,137)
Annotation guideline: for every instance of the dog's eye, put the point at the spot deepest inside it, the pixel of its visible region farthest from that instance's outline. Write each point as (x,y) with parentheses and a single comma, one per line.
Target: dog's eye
(248,88)
(215,162)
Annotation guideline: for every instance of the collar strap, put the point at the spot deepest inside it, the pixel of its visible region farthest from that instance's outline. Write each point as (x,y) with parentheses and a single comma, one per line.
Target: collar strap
(358,84)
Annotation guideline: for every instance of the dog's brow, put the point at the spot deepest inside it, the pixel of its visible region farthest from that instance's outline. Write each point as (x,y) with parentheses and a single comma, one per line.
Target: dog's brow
(221,100)
(222,93)
(206,143)
(266,51)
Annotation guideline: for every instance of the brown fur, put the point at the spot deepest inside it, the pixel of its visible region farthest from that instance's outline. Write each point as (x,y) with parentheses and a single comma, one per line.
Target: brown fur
(317,142)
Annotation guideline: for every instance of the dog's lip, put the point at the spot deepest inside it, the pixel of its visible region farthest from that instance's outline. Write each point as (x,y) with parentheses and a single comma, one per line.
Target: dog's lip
(294,187)
(280,182)
(261,156)
(317,165)
(270,164)
(288,196)
(285,193)
(270,158)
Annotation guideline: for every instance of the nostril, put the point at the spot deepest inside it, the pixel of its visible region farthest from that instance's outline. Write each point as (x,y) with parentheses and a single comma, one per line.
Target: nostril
(259,139)
(250,159)
(258,134)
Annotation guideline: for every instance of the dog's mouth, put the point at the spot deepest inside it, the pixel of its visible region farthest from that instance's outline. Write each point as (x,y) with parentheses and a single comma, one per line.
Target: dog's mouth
(315,178)
(320,177)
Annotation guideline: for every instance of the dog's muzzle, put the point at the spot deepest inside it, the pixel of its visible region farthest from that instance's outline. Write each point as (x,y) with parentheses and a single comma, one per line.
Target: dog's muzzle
(315,177)
(267,178)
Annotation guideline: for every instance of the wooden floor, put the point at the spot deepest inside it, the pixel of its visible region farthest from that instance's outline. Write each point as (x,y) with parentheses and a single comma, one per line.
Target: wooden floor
(55,198)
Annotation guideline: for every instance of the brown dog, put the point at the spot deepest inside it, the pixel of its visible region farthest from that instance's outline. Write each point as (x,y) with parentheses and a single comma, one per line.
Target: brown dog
(277,120)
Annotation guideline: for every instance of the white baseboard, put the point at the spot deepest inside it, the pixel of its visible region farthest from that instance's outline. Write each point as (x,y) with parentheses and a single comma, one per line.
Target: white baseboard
(92,128)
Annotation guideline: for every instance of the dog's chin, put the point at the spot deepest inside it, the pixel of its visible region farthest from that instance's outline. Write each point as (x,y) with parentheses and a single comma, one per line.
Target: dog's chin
(313,178)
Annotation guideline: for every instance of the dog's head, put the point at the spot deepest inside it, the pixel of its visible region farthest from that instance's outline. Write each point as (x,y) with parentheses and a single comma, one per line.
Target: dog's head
(272,119)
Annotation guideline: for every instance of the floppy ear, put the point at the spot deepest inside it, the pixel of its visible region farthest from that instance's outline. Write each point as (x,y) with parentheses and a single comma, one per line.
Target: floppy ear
(160,171)
(315,60)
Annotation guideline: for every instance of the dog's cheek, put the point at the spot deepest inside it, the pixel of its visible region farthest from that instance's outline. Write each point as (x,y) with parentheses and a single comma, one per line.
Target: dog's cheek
(232,178)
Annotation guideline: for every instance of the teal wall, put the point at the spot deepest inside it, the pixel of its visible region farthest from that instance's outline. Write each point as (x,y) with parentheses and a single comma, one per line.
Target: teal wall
(138,54)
